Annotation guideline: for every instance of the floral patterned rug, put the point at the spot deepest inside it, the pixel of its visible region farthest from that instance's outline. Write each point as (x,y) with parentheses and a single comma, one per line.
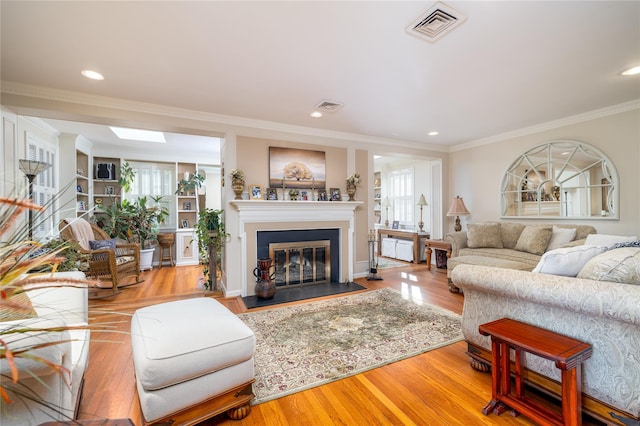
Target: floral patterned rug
(303,346)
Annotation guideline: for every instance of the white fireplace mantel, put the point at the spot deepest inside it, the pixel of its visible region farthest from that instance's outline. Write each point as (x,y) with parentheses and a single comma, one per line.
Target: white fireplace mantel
(280,211)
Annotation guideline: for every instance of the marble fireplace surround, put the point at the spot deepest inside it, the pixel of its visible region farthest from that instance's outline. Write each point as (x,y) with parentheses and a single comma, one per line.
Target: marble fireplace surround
(262,215)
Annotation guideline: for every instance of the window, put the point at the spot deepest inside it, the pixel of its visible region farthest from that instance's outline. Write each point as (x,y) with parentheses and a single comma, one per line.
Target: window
(44,186)
(155,180)
(401,195)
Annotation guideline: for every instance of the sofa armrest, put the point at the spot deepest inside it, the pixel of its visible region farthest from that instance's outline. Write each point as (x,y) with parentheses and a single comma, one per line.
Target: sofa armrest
(64,300)
(458,240)
(619,302)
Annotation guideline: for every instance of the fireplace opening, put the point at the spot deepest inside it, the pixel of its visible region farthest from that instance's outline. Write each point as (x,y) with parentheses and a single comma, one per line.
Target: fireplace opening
(302,256)
(300,263)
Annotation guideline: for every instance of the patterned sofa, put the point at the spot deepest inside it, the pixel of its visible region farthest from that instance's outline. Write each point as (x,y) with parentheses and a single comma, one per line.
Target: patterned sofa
(509,245)
(602,313)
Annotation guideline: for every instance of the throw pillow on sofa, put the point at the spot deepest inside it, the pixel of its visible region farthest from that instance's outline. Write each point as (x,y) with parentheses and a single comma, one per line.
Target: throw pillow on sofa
(560,237)
(534,239)
(567,261)
(620,265)
(607,240)
(480,235)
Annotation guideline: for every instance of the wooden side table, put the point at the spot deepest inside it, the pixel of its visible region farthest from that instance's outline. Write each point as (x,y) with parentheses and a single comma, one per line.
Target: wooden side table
(567,353)
(437,245)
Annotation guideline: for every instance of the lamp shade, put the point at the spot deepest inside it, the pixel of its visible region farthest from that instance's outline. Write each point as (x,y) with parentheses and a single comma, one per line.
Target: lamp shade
(32,167)
(422,201)
(457,208)
(386,202)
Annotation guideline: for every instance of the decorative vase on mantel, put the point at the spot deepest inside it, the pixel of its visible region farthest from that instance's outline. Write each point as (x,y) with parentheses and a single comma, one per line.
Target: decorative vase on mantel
(238,187)
(351,190)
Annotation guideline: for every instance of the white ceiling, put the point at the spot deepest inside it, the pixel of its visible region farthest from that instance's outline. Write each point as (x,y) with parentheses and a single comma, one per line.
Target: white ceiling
(511,65)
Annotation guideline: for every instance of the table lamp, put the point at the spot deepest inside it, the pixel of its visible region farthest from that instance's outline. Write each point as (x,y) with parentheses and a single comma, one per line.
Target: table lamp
(458,209)
(421,202)
(386,204)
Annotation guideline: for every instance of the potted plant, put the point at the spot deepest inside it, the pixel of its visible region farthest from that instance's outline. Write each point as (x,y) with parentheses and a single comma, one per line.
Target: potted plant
(237,182)
(137,222)
(352,182)
(193,181)
(211,238)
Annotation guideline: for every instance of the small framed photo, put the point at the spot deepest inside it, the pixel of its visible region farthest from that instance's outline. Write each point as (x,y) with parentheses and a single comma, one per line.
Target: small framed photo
(272,194)
(396,224)
(78,188)
(335,194)
(255,192)
(186,205)
(109,190)
(185,223)
(304,195)
(322,195)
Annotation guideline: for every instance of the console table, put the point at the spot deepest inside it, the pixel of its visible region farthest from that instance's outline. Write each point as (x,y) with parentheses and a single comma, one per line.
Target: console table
(416,236)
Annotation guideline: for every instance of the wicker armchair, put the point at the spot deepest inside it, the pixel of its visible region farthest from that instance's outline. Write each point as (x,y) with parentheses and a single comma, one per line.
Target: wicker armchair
(105,265)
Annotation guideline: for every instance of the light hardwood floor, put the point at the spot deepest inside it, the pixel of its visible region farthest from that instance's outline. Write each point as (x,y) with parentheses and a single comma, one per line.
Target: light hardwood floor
(435,388)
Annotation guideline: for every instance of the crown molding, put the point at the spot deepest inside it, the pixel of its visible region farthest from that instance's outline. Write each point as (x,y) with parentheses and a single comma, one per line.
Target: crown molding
(550,125)
(60,95)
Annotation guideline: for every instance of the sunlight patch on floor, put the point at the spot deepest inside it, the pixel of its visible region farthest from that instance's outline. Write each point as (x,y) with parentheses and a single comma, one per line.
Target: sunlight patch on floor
(411,292)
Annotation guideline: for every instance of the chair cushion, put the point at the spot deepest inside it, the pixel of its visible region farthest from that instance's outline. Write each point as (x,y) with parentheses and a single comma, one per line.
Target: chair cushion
(124,259)
(178,341)
(103,244)
(607,240)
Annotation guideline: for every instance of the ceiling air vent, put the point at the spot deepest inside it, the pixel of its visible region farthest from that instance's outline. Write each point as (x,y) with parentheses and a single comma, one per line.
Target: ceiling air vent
(328,106)
(436,22)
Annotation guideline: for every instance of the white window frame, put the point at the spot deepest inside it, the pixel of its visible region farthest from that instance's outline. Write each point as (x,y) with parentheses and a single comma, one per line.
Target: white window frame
(45,186)
(155,179)
(400,190)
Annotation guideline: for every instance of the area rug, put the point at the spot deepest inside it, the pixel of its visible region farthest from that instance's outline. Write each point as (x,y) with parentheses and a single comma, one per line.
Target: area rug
(307,345)
(384,263)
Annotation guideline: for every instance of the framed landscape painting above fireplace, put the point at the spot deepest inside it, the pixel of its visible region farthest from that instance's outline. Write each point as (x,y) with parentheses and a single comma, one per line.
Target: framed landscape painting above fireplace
(296,168)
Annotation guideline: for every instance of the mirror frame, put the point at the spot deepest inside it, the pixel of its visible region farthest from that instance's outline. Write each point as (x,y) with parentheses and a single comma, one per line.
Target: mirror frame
(582,178)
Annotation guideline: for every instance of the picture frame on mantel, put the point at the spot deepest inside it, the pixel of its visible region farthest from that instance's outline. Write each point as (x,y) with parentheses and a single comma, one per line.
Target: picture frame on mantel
(322,195)
(255,192)
(296,168)
(272,194)
(335,194)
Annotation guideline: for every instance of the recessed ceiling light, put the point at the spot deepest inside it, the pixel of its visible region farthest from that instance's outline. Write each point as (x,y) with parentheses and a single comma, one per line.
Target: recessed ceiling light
(93,75)
(632,71)
(138,135)
(316,114)
(433,133)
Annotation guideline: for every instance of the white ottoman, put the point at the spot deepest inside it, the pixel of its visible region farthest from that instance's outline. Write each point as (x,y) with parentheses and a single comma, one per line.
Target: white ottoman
(193,360)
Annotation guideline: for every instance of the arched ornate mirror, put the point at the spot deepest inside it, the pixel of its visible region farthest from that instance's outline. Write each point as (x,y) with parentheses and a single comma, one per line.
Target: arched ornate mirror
(567,179)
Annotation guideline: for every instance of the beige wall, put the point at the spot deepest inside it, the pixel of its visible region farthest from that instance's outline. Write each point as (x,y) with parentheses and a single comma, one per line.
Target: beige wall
(476,173)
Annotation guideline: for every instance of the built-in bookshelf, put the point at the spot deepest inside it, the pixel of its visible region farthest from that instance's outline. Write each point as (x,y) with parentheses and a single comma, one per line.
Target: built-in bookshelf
(106,189)
(82,183)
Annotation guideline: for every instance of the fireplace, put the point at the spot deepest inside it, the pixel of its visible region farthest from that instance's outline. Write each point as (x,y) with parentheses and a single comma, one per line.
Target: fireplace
(258,217)
(302,256)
